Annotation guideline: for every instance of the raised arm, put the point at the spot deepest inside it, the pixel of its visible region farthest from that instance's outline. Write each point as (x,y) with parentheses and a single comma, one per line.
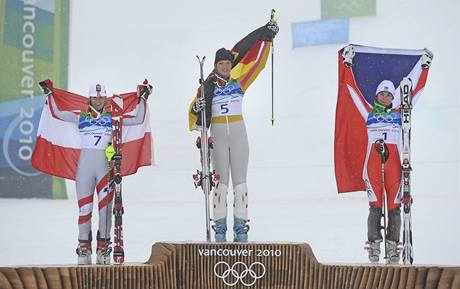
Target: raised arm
(143,92)
(139,118)
(363,107)
(63,115)
(251,54)
(47,88)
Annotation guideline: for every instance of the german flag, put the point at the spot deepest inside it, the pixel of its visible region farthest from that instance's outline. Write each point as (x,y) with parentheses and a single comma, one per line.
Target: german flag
(250,55)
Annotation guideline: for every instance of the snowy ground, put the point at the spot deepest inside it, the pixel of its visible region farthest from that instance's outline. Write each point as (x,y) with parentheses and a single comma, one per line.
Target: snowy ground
(44,231)
(291,181)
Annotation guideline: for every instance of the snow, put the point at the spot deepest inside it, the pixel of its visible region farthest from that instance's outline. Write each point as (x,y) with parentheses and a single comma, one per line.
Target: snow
(291,181)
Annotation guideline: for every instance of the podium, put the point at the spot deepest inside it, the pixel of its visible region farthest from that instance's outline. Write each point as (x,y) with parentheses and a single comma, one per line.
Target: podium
(282,265)
(231,265)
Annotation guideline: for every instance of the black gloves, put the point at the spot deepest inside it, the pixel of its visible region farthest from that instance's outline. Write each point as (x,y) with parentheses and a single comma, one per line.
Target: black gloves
(382,148)
(198,105)
(144,89)
(46,86)
(273,27)
(269,31)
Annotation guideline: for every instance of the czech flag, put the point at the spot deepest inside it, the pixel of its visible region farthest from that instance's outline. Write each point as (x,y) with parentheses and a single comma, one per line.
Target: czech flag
(361,69)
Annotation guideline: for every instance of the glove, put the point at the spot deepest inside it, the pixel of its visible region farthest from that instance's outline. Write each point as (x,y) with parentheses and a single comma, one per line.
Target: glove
(348,54)
(144,90)
(198,105)
(46,86)
(273,27)
(382,148)
(427,58)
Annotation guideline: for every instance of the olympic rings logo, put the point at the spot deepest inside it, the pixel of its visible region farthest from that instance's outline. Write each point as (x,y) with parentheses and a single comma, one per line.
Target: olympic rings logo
(231,275)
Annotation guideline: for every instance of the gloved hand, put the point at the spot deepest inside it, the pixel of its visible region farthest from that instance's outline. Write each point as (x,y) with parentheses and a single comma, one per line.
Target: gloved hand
(273,27)
(198,105)
(46,86)
(427,57)
(144,89)
(382,148)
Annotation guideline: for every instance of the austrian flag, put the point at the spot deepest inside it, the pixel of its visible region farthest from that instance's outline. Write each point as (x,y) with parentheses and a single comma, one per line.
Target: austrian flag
(58,144)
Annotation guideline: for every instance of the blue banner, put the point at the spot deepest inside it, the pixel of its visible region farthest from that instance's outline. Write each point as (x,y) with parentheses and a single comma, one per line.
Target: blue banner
(320,32)
(34,39)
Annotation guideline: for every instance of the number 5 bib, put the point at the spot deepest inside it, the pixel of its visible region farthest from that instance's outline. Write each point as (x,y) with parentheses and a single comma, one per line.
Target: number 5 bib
(227,100)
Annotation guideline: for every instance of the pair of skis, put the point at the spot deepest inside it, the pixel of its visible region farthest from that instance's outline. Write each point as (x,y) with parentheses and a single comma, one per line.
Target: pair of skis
(406,115)
(204,178)
(115,182)
(406,109)
(115,159)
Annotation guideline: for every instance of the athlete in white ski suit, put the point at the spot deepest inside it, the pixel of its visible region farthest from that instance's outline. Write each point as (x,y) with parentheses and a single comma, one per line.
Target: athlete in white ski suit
(95,127)
(224,89)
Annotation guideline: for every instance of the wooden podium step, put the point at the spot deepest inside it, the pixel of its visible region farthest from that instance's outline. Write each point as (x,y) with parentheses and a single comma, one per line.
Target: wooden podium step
(231,265)
(283,265)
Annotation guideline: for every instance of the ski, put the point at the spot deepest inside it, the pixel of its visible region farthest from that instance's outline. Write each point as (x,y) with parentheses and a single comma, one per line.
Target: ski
(118,210)
(204,178)
(406,109)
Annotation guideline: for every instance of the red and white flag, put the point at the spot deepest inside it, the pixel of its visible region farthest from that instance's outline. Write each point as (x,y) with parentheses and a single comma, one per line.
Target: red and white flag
(357,85)
(58,143)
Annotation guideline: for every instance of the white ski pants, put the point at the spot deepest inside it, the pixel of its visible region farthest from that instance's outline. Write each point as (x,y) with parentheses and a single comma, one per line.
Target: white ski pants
(230,155)
(92,176)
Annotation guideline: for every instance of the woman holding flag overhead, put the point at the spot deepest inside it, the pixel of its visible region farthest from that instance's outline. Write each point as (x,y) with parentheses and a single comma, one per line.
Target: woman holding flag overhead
(88,132)
(234,71)
(384,134)
(369,132)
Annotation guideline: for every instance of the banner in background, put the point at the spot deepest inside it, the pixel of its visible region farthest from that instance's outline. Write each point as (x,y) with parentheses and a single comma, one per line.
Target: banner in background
(33,46)
(320,32)
(347,8)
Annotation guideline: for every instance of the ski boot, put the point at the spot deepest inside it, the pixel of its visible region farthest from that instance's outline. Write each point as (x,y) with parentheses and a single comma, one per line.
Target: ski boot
(394,229)
(240,230)
(103,255)
(103,250)
(84,253)
(373,248)
(393,250)
(220,230)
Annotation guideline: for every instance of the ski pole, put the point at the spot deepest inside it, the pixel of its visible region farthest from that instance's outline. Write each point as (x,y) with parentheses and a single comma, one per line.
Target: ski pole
(381,148)
(272,18)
